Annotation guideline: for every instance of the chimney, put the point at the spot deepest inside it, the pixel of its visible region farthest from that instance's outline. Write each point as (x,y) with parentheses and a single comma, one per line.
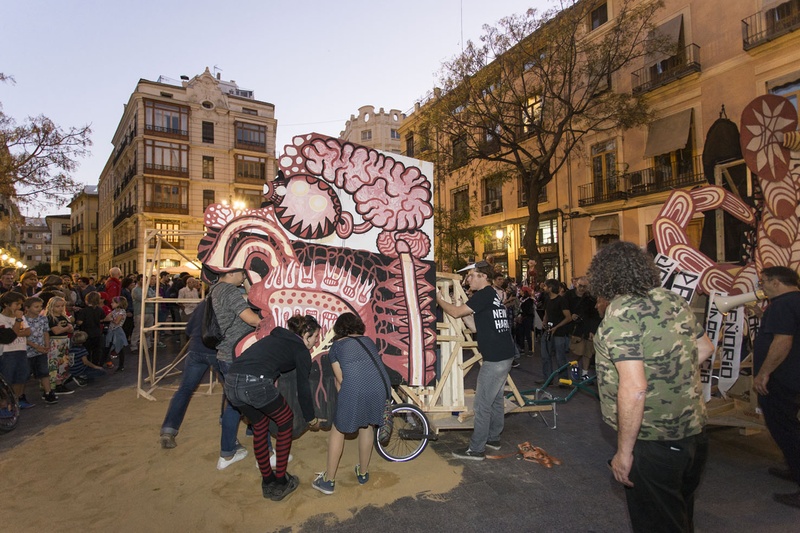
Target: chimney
(219,75)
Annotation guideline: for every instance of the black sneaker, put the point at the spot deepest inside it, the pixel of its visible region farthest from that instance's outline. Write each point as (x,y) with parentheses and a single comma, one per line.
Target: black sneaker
(50,397)
(469,454)
(493,444)
(515,364)
(62,389)
(280,491)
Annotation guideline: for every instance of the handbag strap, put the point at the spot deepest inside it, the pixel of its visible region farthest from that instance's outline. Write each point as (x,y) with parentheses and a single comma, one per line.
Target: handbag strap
(374,362)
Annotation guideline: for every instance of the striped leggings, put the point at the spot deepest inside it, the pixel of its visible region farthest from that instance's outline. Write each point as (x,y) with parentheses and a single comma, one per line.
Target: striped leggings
(279,412)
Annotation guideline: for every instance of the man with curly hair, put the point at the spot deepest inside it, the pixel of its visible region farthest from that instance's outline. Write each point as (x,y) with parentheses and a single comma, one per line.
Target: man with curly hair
(649,348)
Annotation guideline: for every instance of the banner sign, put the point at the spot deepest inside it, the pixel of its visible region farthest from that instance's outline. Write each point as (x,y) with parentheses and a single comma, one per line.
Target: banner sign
(666,266)
(731,348)
(714,323)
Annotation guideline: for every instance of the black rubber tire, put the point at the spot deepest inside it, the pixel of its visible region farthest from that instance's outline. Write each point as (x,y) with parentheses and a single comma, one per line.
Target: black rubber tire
(9,407)
(409,435)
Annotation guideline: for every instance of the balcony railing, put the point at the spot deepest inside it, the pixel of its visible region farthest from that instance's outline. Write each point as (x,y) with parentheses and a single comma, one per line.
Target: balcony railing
(77,227)
(128,139)
(254,146)
(166,132)
(167,207)
(244,177)
(123,214)
(641,182)
(125,247)
(126,179)
(522,199)
(174,241)
(770,24)
(166,170)
(673,68)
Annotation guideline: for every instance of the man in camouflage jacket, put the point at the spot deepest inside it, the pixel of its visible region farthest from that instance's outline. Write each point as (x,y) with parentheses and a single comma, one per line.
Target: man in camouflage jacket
(649,348)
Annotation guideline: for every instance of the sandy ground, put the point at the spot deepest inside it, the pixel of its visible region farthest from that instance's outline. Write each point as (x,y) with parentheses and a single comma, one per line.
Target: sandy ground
(104,470)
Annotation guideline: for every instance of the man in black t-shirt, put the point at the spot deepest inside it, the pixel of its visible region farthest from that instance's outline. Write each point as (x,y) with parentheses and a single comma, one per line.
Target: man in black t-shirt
(555,340)
(497,348)
(776,363)
(585,320)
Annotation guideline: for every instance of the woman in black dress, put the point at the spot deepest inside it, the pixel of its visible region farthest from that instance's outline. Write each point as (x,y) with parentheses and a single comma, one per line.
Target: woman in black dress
(361,380)
(250,387)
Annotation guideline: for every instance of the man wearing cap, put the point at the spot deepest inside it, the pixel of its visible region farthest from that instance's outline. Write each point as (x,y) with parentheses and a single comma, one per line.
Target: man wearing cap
(497,348)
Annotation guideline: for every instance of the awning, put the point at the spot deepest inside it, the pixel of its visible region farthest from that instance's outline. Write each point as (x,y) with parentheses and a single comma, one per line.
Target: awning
(669,32)
(605,225)
(668,134)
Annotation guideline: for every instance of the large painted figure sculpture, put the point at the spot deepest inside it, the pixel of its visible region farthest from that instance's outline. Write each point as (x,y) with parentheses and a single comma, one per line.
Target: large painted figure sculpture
(342,228)
(770,145)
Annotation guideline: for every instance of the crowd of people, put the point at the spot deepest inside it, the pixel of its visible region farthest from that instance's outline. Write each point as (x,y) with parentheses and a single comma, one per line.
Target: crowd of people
(72,330)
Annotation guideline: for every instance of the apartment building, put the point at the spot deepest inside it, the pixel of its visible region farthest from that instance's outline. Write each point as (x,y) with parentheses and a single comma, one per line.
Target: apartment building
(34,242)
(615,183)
(84,217)
(60,243)
(379,130)
(180,146)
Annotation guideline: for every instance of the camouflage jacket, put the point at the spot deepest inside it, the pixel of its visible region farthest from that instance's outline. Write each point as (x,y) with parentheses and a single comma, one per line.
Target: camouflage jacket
(662,331)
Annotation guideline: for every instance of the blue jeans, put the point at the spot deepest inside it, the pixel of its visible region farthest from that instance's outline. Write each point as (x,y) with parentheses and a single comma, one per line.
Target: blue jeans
(230,421)
(489,404)
(193,371)
(558,346)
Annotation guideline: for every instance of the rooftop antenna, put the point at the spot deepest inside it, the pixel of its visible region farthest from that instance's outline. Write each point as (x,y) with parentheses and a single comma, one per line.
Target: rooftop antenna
(217,71)
(462,26)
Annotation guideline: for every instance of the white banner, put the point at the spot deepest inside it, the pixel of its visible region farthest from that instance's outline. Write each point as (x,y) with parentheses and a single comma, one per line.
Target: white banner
(714,322)
(731,348)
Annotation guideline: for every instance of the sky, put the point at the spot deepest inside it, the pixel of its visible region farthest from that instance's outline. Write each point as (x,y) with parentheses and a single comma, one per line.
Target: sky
(78,61)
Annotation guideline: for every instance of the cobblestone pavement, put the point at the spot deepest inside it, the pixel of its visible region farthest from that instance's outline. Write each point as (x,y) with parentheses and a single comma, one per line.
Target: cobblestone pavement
(513,495)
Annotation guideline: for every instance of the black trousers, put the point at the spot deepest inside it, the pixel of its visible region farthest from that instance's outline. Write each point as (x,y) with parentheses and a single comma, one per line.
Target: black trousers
(665,475)
(781,408)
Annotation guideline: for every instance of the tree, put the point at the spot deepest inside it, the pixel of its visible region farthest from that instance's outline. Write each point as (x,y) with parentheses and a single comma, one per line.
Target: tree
(455,236)
(523,98)
(37,158)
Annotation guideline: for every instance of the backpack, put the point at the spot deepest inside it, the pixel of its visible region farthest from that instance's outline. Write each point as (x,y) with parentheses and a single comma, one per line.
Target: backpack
(211,332)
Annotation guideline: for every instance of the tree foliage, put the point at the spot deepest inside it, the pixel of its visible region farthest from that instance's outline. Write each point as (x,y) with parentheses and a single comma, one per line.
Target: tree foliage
(38,157)
(455,236)
(524,97)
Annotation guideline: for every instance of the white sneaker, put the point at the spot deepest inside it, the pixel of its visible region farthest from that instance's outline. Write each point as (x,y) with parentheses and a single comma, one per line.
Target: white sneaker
(273,460)
(224,462)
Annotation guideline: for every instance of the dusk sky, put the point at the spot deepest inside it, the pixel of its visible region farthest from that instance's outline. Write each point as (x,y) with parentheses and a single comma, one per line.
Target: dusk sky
(77,62)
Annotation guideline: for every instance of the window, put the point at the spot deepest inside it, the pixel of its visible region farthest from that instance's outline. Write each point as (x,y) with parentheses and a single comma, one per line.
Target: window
(461,200)
(790,91)
(366,135)
(251,136)
(410,145)
(491,139)
(251,198)
(532,114)
(162,117)
(208,167)
(208,132)
(459,151)
(166,195)
(208,198)
(395,134)
(492,195)
(248,111)
(599,16)
(38,246)
(248,167)
(166,158)
(604,168)
(522,193)
(168,229)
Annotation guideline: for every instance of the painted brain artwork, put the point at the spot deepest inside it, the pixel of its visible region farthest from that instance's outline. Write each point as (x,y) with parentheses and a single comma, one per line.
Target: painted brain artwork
(771,148)
(342,228)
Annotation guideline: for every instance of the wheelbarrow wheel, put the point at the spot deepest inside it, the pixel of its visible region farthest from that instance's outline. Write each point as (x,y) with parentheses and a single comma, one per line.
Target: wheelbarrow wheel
(407,437)
(9,407)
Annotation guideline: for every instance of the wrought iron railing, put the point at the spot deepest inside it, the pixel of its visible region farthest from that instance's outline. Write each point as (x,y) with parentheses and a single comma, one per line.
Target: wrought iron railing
(770,24)
(673,68)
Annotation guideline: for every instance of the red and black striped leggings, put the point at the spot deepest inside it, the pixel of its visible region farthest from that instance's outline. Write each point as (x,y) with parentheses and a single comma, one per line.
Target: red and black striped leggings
(279,412)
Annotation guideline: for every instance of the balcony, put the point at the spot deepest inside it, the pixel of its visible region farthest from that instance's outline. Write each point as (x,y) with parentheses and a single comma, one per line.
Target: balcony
(642,182)
(173,241)
(671,69)
(770,24)
(491,207)
(253,146)
(124,214)
(249,178)
(126,179)
(64,255)
(125,247)
(167,207)
(76,228)
(161,131)
(522,199)
(128,139)
(166,170)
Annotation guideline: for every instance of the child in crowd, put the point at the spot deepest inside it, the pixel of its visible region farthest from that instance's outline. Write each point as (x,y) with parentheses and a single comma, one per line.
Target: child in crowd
(90,320)
(58,356)
(115,337)
(38,343)
(14,361)
(82,369)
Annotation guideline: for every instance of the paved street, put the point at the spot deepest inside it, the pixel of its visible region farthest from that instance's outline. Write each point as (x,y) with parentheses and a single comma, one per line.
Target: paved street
(514,495)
